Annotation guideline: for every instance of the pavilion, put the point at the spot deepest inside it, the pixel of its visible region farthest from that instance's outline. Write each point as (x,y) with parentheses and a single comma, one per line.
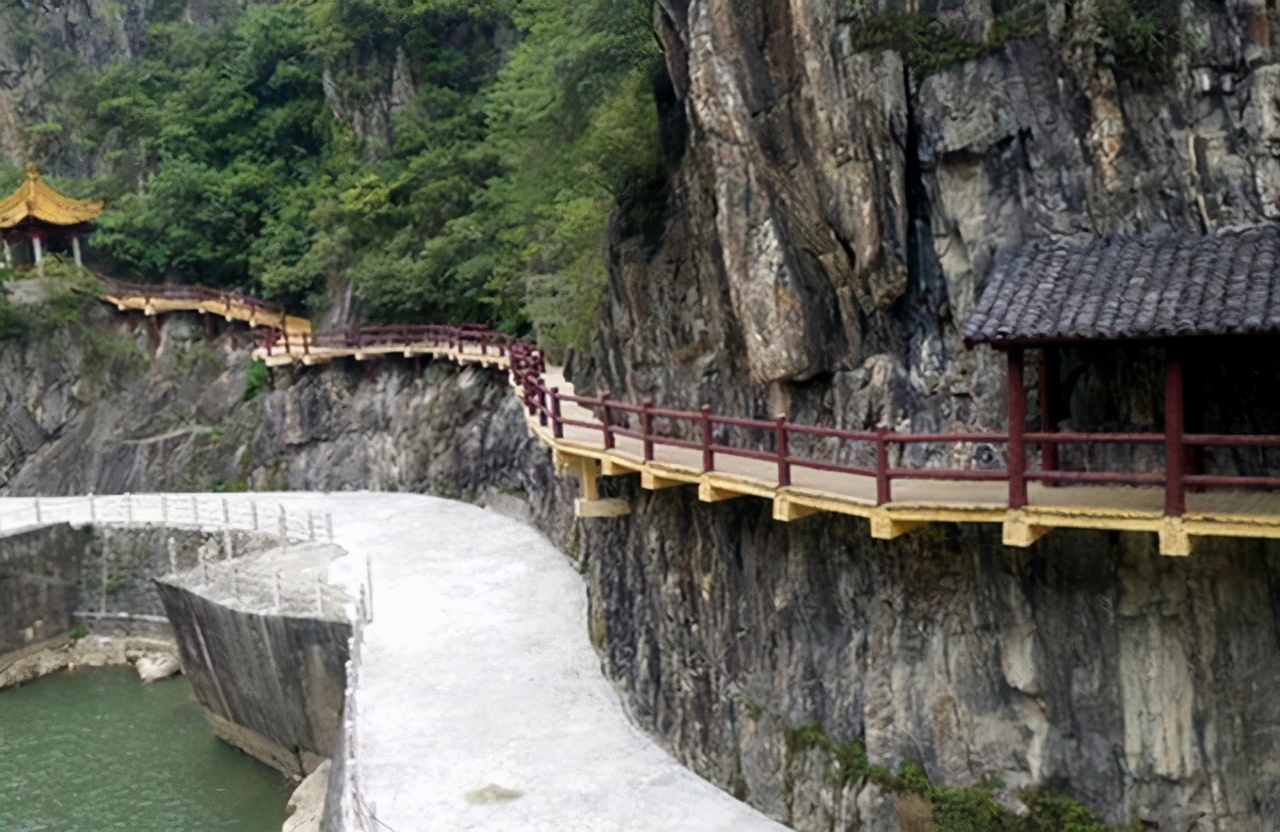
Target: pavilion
(1206,308)
(38,214)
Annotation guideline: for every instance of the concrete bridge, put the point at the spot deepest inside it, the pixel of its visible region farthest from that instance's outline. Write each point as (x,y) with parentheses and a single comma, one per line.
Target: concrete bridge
(801,469)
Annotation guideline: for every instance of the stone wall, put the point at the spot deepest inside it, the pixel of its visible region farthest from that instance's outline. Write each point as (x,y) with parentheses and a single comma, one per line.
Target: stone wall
(271,685)
(40,574)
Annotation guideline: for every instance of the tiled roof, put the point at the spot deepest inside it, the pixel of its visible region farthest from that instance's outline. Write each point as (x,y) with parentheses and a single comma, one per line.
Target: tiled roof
(38,201)
(1130,287)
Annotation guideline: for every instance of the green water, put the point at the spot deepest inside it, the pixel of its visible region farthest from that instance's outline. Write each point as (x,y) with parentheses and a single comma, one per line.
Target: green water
(98,750)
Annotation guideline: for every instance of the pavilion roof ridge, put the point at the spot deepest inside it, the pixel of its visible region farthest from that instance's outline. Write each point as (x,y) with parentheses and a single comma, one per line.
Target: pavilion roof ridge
(34,200)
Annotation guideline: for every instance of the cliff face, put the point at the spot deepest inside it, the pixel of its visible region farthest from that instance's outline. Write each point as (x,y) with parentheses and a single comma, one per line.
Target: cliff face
(1145,684)
(832,216)
(835,212)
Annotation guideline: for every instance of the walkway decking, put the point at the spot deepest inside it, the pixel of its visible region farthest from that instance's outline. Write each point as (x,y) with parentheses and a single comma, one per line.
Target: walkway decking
(479,700)
(577,437)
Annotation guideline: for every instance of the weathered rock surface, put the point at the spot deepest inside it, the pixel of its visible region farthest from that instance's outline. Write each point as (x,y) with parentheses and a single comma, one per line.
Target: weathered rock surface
(832,218)
(306,804)
(1147,684)
(154,668)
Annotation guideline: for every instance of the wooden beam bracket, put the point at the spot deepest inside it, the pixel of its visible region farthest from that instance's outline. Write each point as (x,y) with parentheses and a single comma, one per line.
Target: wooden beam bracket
(650,481)
(1019,533)
(600,509)
(787,511)
(1175,541)
(709,493)
(884,526)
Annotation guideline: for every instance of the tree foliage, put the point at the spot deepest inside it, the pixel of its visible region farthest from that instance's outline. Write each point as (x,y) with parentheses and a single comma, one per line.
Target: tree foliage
(452,159)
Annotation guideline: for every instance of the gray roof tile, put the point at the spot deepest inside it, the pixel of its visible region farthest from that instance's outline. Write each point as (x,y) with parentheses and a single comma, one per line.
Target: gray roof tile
(1133,287)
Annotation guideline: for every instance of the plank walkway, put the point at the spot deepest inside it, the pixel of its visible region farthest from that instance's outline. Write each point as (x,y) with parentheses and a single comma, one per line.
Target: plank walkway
(581,451)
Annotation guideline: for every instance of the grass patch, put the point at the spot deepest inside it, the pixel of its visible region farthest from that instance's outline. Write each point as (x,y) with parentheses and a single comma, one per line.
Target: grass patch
(257,381)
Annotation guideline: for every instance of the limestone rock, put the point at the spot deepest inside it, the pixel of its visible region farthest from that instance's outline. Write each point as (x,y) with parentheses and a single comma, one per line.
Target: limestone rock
(155,667)
(306,804)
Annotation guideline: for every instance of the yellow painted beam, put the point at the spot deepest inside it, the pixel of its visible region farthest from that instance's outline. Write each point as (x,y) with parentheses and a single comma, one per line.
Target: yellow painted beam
(1020,532)
(709,493)
(650,481)
(884,526)
(600,509)
(787,510)
(1174,539)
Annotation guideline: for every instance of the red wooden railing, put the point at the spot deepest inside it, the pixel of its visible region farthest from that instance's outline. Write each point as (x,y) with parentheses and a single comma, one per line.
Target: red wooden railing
(778,437)
(195,292)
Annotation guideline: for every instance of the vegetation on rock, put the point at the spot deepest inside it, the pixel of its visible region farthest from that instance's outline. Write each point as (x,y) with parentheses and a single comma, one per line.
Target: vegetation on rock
(464,165)
(925,806)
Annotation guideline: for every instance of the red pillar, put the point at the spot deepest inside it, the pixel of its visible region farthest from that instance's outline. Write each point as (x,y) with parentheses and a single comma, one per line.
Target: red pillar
(1175,495)
(1017,430)
(1049,405)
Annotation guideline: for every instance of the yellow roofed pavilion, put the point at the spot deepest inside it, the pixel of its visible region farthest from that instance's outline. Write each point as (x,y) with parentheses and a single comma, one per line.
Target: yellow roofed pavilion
(35,203)
(36,214)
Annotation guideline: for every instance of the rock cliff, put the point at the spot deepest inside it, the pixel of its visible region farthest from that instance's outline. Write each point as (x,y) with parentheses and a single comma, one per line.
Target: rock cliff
(832,214)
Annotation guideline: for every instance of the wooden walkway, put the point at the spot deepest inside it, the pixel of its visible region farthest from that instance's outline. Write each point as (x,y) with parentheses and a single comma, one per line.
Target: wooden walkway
(588,449)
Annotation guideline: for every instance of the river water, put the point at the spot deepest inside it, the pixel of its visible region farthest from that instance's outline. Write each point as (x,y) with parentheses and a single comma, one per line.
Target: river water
(98,750)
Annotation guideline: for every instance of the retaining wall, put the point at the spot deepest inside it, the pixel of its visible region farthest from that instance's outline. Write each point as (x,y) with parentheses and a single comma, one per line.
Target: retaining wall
(272,685)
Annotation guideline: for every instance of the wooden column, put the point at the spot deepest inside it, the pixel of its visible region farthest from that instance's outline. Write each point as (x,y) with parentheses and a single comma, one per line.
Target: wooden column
(1049,405)
(1175,495)
(1017,430)
(8,255)
(37,249)
(75,250)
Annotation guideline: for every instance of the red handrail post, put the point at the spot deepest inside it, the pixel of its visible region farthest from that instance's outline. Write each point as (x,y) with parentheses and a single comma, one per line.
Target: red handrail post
(784,451)
(884,488)
(708,455)
(1175,493)
(606,422)
(646,428)
(1017,430)
(1049,405)
(557,427)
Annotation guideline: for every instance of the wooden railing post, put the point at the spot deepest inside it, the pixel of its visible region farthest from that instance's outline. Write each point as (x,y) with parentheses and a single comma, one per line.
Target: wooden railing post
(784,451)
(306,343)
(606,422)
(708,455)
(884,488)
(1017,430)
(646,428)
(1048,405)
(557,427)
(543,405)
(1175,494)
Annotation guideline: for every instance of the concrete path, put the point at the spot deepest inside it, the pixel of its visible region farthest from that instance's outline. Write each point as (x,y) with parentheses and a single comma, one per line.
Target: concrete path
(481,704)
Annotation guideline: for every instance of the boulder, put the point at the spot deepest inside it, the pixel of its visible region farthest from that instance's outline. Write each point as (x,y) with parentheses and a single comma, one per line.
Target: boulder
(154,667)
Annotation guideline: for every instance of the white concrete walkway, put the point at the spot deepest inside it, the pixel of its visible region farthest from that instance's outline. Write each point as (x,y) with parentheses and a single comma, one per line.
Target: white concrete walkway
(478,682)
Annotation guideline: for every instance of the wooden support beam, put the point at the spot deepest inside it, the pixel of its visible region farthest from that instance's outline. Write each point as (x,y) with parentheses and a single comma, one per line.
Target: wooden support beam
(709,493)
(885,527)
(610,467)
(1175,542)
(1017,404)
(600,509)
(1175,494)
(1021,534)
(650,481)
(787,511)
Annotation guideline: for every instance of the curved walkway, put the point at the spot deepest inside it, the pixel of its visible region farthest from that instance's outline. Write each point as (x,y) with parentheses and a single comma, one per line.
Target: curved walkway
(802,469)
(478,682)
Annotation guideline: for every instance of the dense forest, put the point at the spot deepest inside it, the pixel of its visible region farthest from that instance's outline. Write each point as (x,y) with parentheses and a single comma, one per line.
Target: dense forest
(526,124)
